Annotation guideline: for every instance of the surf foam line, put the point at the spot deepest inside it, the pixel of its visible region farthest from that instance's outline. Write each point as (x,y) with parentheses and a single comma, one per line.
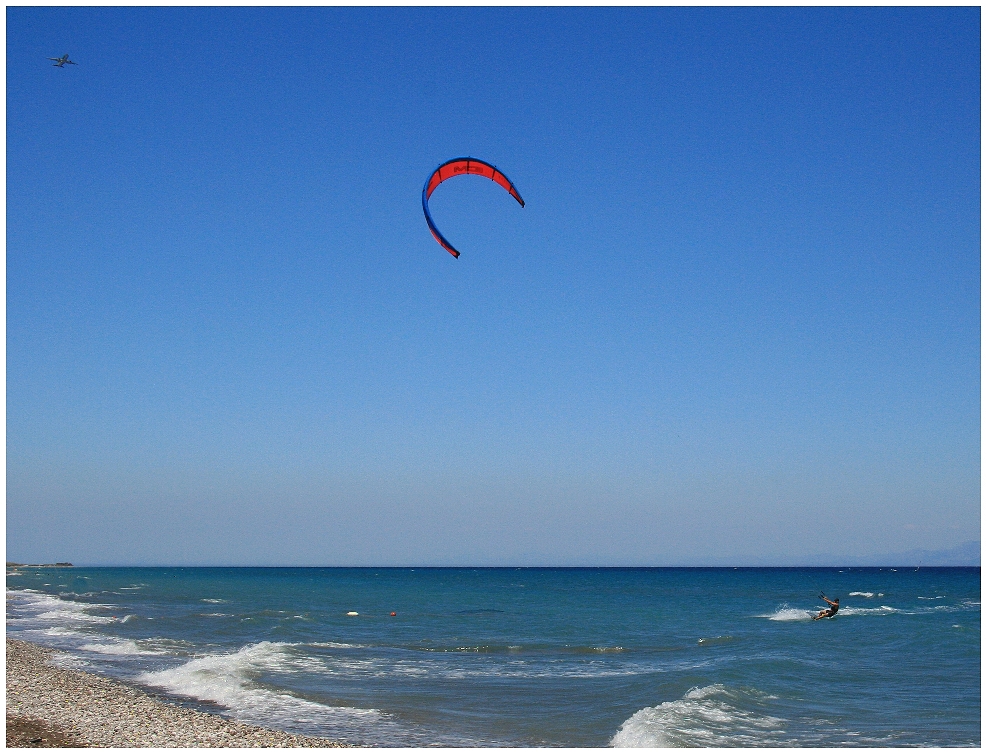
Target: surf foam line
(234,681)
(71,626)
(786,613)
(708,716)
(38,610)
(112,646)
(882,610)
(52,620)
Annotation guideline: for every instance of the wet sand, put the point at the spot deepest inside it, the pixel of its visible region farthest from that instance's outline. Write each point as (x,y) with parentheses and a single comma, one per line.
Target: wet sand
(49,706)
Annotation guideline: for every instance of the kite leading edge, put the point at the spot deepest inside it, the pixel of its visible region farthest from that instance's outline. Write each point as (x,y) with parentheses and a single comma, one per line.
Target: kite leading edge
(461,166)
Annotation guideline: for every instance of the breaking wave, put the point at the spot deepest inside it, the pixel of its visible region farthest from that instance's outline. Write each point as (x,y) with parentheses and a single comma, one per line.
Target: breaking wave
(29,609)
(708,716)
(110,646)
(236,681)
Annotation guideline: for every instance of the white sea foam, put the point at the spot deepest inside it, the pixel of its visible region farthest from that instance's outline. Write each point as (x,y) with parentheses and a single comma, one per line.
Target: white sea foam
(71,614)
(882,610)
(601,663)
(69,661)
(521,669)
(706,641)
(786,613)
(208,599)
(233,681)
(40,609)
(709,716)
(789,613)
(111,646)
(868,595)
(335,645)
(62,631)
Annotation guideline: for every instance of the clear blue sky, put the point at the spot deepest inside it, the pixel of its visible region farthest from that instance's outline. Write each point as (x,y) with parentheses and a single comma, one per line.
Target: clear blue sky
(738,319)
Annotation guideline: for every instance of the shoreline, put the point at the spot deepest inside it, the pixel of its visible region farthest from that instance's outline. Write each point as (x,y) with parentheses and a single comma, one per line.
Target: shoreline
(49,706)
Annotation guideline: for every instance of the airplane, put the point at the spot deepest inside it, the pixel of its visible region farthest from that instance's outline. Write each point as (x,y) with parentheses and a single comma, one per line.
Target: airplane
(60,62)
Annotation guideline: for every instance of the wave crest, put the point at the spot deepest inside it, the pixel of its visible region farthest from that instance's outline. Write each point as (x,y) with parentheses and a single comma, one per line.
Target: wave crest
(708,716)
(240,681)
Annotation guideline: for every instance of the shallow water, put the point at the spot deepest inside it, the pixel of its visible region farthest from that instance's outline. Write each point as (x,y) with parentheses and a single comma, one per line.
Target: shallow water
(535,657)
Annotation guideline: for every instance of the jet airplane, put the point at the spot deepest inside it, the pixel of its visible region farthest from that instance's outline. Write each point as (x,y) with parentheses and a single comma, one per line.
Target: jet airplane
(60,62)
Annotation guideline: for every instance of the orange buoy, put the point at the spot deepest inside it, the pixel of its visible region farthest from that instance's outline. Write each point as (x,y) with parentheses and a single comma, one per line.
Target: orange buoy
(393,614)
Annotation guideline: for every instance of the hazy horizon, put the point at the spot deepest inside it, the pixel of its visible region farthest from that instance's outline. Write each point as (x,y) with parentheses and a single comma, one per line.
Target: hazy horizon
(966,555)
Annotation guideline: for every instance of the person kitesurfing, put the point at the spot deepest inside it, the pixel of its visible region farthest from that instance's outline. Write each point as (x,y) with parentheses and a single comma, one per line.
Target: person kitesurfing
(830,611)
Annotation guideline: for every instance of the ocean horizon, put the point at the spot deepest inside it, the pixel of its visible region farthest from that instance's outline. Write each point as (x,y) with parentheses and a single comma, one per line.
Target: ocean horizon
(965,555)
(533,656)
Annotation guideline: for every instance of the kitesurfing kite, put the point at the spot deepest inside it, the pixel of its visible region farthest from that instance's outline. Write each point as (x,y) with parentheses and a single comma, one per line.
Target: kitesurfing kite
(461,166)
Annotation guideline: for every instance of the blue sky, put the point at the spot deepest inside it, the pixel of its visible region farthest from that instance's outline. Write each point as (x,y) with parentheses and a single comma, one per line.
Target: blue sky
(737,320)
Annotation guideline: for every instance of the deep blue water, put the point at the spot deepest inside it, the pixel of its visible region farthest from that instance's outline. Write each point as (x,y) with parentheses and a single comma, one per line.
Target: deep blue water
(535,657)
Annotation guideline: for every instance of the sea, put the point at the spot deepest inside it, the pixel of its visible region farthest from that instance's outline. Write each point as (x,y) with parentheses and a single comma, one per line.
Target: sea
(534,657)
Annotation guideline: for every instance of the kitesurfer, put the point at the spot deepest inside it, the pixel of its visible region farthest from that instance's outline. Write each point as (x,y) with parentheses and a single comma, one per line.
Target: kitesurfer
(830,611)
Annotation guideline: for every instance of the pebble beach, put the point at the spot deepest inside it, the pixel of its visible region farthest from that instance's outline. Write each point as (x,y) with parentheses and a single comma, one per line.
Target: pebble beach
(51,706)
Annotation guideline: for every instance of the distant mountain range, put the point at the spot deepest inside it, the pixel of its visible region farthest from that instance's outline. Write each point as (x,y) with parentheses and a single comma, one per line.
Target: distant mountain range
(967,554)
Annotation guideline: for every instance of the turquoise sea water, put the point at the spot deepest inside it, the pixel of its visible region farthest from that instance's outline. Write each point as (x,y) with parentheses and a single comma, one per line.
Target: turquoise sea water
(535,657)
